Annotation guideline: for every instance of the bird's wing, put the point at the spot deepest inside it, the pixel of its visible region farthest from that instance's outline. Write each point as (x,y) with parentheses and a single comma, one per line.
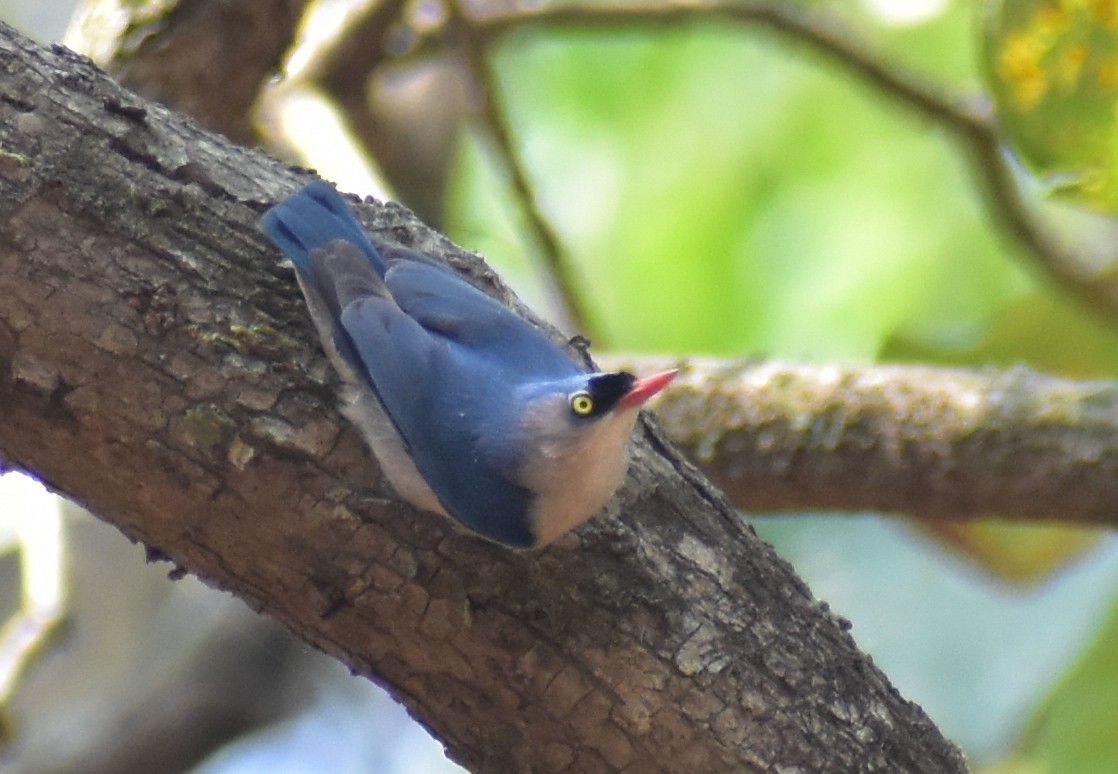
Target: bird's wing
(434,406)
(396,357)
(449,306)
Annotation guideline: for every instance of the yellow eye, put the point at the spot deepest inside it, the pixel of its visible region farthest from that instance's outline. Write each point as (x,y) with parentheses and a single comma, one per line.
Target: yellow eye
(581,403)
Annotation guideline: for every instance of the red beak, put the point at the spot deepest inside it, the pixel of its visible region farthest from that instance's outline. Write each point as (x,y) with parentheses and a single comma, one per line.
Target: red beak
(645,388)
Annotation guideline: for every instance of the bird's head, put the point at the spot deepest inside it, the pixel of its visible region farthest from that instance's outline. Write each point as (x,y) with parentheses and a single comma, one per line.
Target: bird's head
(572,435)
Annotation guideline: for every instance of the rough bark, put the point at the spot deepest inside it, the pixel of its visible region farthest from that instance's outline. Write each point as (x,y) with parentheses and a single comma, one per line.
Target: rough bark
(156,365)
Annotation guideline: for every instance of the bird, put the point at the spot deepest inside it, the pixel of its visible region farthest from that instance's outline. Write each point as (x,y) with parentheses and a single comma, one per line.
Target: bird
(471,410)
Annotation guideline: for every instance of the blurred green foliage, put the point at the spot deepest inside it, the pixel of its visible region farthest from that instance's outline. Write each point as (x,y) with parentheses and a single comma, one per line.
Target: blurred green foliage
(719,194)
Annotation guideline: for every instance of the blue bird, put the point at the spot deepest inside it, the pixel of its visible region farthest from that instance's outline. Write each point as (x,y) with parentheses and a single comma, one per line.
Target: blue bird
(471,410)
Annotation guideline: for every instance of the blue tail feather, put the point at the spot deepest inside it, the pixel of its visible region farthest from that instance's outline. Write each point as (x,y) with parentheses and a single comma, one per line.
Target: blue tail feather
(312,218)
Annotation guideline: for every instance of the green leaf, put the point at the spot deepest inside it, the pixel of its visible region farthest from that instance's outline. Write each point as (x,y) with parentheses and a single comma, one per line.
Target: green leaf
(1074,729)
(1015,552)
(1053,71)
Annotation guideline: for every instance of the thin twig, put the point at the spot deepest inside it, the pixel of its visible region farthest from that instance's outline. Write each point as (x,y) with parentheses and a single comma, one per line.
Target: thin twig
(562,274)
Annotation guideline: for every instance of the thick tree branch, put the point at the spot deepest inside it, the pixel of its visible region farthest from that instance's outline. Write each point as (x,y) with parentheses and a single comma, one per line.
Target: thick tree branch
(939,443)
(156,365)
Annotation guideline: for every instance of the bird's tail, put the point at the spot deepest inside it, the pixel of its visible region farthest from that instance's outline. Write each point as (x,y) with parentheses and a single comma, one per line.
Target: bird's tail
(310,219)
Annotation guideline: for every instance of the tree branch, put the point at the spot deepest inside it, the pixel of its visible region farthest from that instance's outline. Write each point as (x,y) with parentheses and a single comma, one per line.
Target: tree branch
(156,365)
(941,443)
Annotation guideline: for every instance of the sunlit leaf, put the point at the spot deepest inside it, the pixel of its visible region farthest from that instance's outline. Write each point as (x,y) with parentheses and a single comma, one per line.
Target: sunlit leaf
(1015,552)
(1053,70)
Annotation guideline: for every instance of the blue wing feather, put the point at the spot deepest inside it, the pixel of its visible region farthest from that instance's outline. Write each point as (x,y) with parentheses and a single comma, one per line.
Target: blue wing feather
(449,306)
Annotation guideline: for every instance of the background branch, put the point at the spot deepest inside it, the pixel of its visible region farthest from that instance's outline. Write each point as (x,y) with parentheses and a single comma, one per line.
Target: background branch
(559,268)
(941,443)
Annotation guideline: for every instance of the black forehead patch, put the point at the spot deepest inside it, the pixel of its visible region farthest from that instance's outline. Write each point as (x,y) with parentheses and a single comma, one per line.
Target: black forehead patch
(607,389)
